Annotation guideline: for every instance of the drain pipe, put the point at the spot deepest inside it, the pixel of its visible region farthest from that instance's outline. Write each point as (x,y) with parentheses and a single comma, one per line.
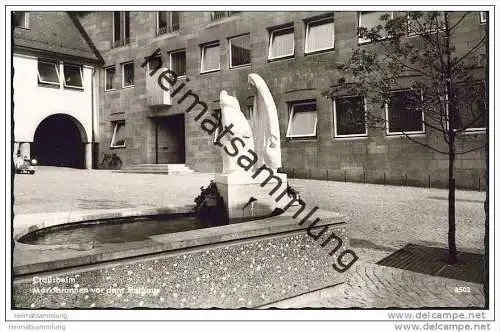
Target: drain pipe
(92,138)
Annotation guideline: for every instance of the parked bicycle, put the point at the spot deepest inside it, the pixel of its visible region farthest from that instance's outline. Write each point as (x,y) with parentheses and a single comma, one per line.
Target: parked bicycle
(111,161)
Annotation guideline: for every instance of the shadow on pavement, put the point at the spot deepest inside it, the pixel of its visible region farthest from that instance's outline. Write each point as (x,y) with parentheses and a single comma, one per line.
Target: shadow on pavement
(432,261)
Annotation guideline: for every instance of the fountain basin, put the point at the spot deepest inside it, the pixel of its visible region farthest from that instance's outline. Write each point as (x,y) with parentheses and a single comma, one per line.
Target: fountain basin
(122,230)
(36,258)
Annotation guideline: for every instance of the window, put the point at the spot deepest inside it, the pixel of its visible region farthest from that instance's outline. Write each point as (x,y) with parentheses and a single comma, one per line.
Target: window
(471,107)
(121,28)
(371,20)
(167,22)
(220,15)
(210,57)
(404,113)
(303,120)
(127,74)
(48,72)
(349,116)
(178,62)
(73,76)
(483,16)
(154,64)
(281,43)
(248,112)
(21,20)
(320,35)
(239,51)
(429,22)
(118,139)
(109,78)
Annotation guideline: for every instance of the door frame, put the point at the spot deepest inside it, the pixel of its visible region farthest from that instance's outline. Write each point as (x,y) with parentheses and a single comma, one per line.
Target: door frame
(165,118)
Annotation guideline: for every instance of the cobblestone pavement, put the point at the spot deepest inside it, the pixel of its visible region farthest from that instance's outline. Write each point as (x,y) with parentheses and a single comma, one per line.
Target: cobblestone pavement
(389,217)
(382,219)
(376,286)
(54,189)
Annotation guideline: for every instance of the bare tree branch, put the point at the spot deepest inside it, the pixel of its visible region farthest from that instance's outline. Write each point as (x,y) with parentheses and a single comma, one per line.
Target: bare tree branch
(460,20)
(423,144)
(464,128)
(389,52)
(427,124)
(471,150)
(472,50)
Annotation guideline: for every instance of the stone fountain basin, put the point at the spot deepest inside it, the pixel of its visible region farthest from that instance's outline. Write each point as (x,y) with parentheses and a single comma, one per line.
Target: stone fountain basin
(29,259)
(268,259)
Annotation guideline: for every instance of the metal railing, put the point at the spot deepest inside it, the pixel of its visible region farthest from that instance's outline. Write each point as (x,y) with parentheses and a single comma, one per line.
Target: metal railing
(168,28)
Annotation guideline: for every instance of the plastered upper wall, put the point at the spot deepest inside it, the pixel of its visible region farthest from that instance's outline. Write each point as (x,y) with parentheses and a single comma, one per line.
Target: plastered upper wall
(34,103)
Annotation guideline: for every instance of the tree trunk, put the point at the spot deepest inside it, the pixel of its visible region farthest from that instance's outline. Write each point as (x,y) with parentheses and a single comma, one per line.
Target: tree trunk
(452,246)
(486,257)
(452,116)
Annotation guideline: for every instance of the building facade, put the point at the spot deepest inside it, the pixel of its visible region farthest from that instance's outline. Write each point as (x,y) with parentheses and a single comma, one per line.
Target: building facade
(297,54)
(55,90)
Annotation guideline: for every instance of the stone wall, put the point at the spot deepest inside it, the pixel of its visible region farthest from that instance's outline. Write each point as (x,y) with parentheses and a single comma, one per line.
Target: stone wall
(377,158)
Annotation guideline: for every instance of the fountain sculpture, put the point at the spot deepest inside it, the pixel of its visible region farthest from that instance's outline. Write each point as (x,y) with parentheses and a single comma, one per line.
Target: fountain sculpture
(245,188)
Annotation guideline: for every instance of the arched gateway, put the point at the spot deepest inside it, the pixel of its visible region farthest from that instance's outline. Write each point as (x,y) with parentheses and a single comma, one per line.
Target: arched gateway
(60,140)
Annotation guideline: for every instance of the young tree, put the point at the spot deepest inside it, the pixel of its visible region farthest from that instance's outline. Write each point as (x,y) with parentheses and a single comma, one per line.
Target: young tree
(411,66)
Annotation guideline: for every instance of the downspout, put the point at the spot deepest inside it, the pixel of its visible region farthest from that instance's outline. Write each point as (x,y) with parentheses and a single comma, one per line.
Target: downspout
(92,145)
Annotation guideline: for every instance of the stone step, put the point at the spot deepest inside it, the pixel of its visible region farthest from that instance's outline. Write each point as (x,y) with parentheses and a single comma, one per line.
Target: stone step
(152,171)
(156,169)
(160,168)
(157,165)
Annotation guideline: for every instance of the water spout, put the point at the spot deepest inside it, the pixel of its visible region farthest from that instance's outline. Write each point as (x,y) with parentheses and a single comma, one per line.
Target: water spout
(250,202)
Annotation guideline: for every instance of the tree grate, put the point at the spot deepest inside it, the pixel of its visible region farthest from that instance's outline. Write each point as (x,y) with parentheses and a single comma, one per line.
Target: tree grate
(433,261)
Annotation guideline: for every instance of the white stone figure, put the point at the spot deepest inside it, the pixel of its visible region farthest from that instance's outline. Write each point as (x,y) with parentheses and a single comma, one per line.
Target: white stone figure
(231,116)
(265,125)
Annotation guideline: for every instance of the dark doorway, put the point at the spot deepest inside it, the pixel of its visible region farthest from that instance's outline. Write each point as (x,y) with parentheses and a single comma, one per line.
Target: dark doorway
(58,142)
(170,140)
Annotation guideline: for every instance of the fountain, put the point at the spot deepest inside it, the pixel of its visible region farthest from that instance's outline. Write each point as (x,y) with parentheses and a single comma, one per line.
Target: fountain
(274,254)
(243,187)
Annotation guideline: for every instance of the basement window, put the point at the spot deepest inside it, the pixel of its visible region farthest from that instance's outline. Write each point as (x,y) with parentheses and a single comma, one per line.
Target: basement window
(303,120)
(118,139)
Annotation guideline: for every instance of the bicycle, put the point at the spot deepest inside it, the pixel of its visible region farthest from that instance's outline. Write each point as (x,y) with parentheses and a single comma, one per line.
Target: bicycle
(111,161)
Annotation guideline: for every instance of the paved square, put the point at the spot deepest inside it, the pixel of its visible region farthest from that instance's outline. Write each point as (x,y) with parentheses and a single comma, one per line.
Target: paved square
(382,219)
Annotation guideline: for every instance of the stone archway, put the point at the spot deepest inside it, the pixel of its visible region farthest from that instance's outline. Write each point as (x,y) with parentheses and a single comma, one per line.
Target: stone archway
(59,140)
